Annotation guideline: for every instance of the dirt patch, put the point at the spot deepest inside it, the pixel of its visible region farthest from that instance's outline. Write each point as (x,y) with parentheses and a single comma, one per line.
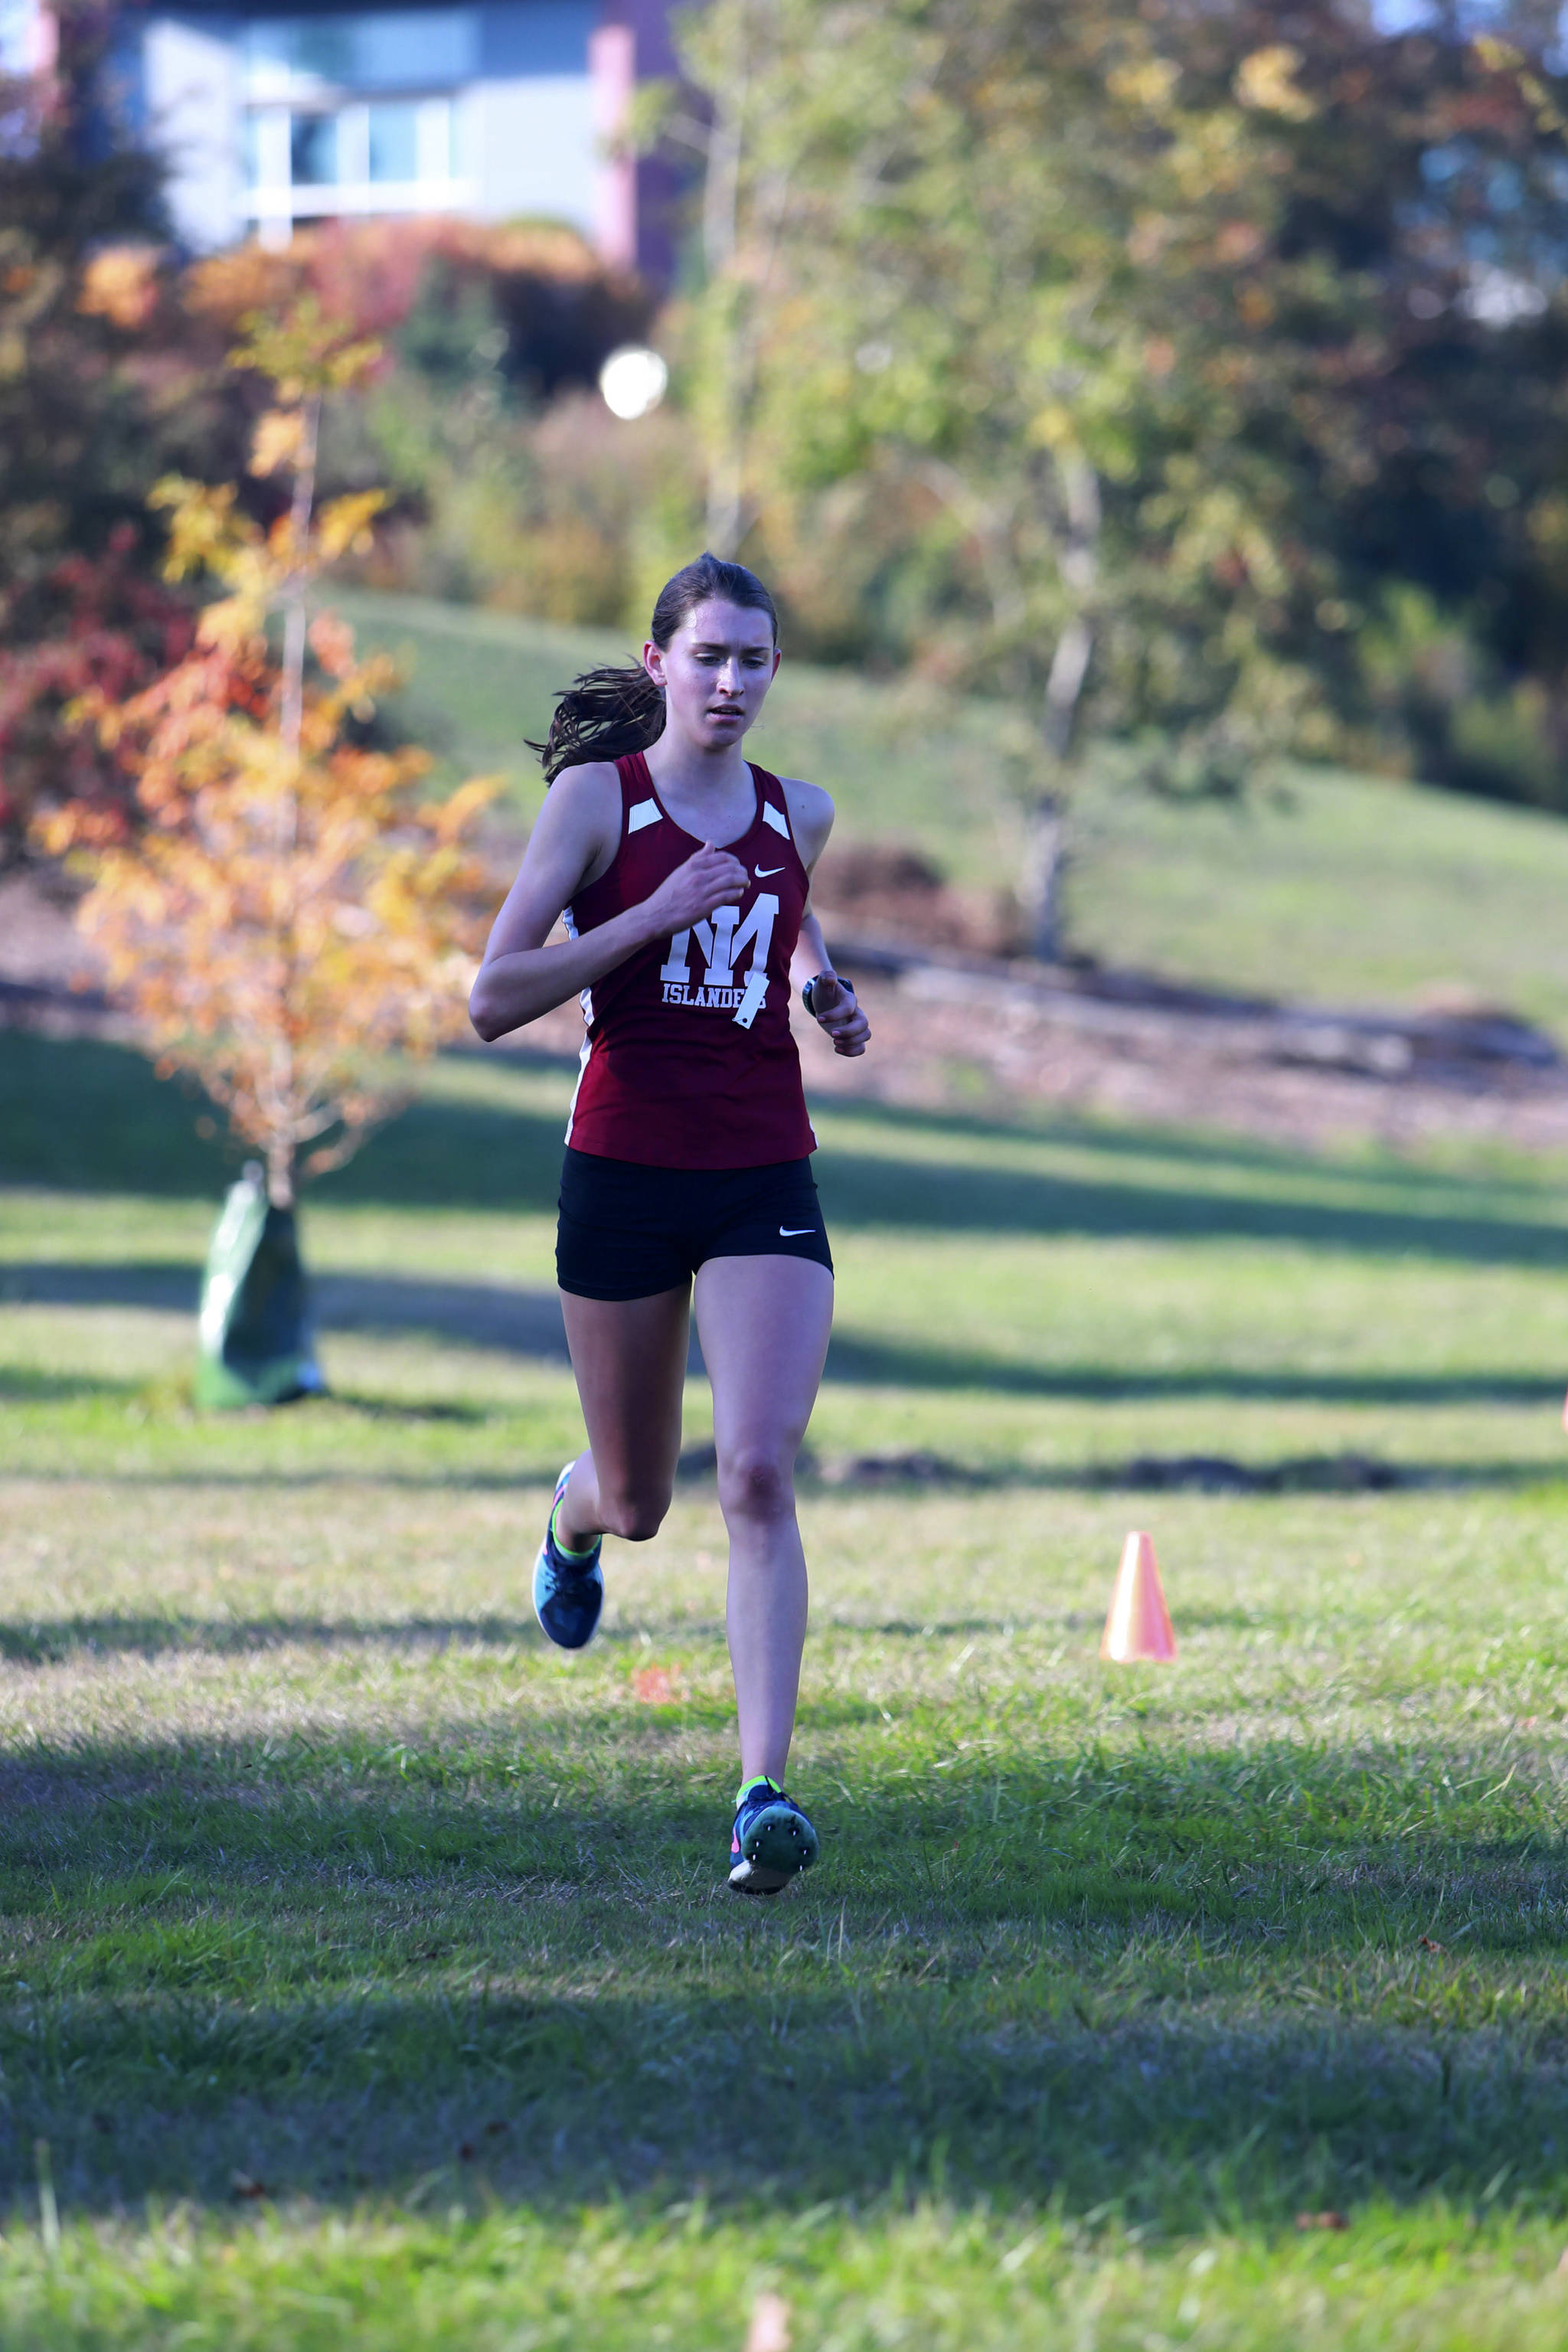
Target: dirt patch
(885,891)
(947,1037)
(1174,1473)
(980,1050)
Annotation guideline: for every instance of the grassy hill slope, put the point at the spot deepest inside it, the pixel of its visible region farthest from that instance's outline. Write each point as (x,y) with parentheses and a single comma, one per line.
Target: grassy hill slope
(1338,887)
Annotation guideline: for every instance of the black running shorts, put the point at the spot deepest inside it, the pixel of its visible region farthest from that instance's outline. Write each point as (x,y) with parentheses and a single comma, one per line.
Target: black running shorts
(627,1231)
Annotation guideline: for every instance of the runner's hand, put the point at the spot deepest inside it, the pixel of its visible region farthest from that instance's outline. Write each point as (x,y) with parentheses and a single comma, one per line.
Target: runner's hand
(710,878)
(841,1017)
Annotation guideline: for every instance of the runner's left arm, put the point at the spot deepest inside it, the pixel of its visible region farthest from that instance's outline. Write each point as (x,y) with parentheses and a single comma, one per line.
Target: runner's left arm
(835,1006)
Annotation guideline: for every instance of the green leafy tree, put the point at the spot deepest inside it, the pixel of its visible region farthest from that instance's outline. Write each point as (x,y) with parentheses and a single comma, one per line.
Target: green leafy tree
(1016,276)
(1187,371)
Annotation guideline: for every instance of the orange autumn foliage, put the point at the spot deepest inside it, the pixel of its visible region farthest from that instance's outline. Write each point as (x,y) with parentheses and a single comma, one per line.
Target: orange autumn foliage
(368,272)
(292,911)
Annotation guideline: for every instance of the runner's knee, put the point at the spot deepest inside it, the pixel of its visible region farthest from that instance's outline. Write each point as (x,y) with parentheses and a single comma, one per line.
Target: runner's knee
(756,1482)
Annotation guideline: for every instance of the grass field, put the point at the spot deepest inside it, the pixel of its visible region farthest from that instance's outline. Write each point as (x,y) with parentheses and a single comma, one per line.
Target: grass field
(1325,887)
(368,1975)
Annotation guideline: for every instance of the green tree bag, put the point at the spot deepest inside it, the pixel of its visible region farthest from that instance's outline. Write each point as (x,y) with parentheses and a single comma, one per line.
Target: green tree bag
(256,1344)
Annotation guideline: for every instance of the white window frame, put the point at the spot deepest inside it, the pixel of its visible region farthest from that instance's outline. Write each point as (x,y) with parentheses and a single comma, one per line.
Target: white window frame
(273,203)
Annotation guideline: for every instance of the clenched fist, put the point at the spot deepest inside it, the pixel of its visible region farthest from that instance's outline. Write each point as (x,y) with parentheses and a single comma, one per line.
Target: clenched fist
(836,1008)
(710,878)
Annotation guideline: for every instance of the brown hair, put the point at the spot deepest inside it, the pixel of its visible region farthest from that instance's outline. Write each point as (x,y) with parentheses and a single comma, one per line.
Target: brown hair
(606,713)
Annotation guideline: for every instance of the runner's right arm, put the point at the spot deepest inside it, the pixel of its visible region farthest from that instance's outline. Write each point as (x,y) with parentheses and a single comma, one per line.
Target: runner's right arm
(572,843)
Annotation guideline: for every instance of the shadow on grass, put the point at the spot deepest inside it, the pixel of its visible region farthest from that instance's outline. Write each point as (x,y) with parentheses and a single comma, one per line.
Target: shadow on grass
(53,1641)
(523,1322)
(874,1194)
(1115,1140)
(44,1641)
(1219,1480)
(62,1641)
(90,1115)
(476,1314)
(1194,1986)
(85,1116)
(876,1362)
(23,1385)
(48,1641)
(899,1479)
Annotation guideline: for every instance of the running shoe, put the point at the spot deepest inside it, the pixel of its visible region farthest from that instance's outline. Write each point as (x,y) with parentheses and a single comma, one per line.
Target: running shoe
(772,1840)
(568,1593)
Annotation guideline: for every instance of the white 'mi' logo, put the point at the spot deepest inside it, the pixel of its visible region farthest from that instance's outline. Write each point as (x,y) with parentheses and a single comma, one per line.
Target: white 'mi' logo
(720,945)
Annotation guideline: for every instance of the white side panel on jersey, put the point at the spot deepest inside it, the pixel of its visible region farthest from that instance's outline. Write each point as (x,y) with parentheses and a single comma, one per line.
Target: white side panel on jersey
(776,818)
(644,813)
(585,999)
(582,1074)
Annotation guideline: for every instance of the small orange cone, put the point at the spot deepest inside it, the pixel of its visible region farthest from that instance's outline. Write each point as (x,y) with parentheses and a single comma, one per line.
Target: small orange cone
(1139,1624)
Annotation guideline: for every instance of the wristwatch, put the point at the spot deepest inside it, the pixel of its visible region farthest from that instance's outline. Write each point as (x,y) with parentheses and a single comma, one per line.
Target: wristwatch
(805,993)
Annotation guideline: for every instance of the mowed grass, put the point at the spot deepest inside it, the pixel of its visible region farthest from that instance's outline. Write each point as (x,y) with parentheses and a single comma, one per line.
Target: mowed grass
(368,1975)
(1314,884)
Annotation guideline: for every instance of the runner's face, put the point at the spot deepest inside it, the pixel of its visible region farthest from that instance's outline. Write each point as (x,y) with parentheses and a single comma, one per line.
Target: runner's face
(715,671)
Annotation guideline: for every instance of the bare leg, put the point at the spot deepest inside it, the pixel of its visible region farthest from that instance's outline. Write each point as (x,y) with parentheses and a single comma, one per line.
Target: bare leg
(764,1323)
(629,1356)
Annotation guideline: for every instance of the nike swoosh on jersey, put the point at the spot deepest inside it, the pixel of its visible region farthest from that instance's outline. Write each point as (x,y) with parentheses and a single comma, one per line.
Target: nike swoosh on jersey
(794,1233)
(762,872)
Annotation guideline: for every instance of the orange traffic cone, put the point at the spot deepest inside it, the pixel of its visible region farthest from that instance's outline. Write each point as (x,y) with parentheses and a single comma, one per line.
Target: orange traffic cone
(1139,1624)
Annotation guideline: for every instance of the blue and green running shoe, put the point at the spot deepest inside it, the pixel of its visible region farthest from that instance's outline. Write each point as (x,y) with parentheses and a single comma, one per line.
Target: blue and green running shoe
(568,1586)
(772,1839)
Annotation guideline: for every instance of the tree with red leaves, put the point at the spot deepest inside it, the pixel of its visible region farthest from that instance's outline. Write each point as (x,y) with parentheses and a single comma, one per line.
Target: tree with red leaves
(81,605)
(288,910)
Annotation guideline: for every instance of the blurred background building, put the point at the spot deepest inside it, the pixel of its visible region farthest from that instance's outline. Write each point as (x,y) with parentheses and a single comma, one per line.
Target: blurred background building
(492,109)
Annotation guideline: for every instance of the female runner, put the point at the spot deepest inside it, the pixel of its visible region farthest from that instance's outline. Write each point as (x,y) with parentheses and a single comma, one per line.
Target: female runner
(683,875)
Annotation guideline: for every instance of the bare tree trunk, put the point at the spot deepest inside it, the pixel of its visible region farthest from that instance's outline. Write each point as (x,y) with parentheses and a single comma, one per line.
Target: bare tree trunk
(1080,566)
(280,1171)
(1044,859)
(1068,675)
(291,704)
(290,723)
(1064,686)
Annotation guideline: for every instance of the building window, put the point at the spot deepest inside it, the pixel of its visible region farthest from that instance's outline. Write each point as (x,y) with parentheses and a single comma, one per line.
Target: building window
(394,140)
(404,143)
(354,112)
(313,146)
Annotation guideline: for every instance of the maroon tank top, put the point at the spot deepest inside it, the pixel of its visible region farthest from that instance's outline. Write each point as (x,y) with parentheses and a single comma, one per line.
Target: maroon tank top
(688,1061)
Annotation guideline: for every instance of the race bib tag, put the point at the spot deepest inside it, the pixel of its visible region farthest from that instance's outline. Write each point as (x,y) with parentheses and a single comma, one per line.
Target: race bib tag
(751,1003)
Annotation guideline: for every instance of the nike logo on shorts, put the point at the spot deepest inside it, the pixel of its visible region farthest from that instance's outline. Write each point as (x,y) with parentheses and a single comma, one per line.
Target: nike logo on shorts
(762,872)
(794,1233)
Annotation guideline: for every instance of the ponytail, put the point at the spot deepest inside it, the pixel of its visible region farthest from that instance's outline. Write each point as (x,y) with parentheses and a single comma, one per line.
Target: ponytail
(606,713)
(603,716)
